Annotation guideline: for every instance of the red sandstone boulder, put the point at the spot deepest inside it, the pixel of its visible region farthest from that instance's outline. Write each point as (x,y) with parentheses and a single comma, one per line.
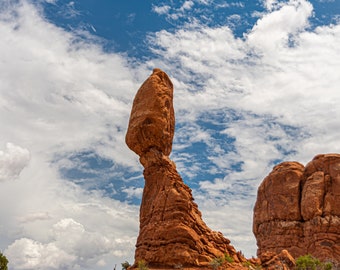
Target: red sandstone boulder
(279,194)
(298,209)
(152,119)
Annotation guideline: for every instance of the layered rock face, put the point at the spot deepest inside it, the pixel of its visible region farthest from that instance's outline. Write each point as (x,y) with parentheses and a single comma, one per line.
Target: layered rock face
(298,209)
(172,231)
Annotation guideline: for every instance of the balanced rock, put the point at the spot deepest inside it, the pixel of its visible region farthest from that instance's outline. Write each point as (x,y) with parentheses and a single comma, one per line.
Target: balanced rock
(298,209)
(172,232)
(152,119)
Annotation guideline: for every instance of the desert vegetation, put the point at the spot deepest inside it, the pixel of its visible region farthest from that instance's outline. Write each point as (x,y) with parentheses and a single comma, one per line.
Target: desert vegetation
(308,262)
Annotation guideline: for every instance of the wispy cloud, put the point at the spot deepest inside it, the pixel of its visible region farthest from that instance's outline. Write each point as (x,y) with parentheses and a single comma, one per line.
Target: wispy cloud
(133,192)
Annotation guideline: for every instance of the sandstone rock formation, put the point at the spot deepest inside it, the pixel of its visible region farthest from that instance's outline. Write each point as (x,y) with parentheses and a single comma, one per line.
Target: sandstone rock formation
(273,261)
(172,232)
(298,209)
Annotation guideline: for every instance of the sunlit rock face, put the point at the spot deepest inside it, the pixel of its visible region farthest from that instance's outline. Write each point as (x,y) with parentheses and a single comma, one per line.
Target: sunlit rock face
(298,209)
(152,119)
(172,231)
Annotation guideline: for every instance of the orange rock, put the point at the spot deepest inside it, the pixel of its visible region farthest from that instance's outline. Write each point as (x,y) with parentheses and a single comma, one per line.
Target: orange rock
(172,231)
(313,195)
(273,261)
(298,209)
(152,119)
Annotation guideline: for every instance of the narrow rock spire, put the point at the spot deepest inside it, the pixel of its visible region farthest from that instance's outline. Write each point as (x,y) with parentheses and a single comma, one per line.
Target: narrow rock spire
(172,231)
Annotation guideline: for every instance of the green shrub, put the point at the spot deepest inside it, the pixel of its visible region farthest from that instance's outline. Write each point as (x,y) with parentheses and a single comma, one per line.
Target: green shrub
(246,264)
(3,262)
(217,262)
(328,266)
(228,258)
(308,262)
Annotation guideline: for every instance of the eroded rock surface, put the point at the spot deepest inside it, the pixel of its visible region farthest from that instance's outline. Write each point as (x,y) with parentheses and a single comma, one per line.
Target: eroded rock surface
(152,118)
(172,232)
(273,261)
(298,209)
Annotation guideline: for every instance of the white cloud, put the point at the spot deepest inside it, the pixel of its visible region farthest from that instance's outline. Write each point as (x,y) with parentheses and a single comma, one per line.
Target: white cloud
(32,217)
(272,4)
(71,247)
(233,219)
(280,25)
(54,218)
(161,9)
(60,95)
(49,74)
(29,254)
(174,12)
(187,5)
(204,2)
(12,161)
(133,192)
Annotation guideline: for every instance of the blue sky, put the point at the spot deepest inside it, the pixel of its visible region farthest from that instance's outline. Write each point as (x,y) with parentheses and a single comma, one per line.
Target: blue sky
(256,83)
(124,26)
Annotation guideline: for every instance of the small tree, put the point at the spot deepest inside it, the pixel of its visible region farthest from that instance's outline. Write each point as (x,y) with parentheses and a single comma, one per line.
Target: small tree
(307,262)
(3,262)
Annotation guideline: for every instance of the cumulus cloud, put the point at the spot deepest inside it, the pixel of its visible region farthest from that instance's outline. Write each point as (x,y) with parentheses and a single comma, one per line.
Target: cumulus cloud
(72,247)
(29,254)
(58,225)
(12,161)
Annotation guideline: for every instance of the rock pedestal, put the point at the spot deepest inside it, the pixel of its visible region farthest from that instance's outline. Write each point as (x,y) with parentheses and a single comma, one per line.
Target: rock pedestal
(298,209)
(172,232)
